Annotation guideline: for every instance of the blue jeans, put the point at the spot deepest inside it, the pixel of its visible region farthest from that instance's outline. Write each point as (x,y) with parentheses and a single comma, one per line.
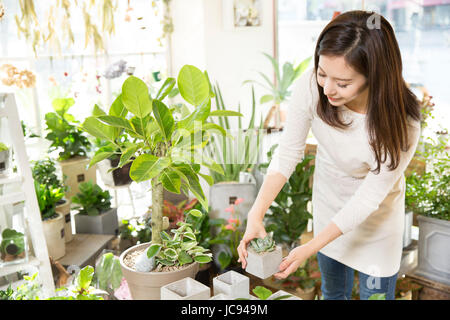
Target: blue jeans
(337,281)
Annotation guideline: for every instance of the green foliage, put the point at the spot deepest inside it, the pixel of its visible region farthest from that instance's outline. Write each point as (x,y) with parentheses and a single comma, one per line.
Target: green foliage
(48,196)
(44,172)
(238,150)
(181,248)
(92,199)
(3,147)
(168,146)
(138,230)
(263,294)
(280,90)
(64,135)
(378,296)
(7,294)
(289,215)
(13,242)
(265,244)
(429,194)
(108,273)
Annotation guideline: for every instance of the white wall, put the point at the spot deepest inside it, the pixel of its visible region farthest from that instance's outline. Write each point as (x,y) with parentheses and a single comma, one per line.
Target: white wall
(230,55)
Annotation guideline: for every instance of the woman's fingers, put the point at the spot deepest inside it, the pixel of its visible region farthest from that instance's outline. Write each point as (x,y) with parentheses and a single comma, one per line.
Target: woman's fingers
(287,266)
(242,254)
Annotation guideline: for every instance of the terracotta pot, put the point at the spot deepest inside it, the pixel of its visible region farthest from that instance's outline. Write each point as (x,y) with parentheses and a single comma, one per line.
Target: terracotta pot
(147,285)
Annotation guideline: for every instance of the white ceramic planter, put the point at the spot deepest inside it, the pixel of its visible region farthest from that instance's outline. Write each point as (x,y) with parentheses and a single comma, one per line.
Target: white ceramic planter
(76,172)
(232,284)
(433,251)
(105,223)
(281,293)
(220,296)
(64,209)
(54,233)
(185,289)
(264,264)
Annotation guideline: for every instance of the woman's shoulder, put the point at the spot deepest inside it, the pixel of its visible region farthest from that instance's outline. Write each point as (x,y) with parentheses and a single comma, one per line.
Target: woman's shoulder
(305,91)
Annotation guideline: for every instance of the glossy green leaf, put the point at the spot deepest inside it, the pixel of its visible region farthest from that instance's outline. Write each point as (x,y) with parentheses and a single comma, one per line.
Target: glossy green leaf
(116,122)
(170,180)
(147,166)
(153,250)
(164,118)
(193,85)
(98,129)
(135,97)
(165,89)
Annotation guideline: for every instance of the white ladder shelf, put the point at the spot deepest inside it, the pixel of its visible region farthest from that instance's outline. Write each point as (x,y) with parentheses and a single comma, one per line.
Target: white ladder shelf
(39,257)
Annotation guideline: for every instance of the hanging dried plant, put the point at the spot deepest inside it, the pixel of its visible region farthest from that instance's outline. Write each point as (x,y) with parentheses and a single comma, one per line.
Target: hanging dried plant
(21,79)
(2,11)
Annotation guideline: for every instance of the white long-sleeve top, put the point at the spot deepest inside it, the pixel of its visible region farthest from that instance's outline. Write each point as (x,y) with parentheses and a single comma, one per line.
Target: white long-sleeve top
(368,208)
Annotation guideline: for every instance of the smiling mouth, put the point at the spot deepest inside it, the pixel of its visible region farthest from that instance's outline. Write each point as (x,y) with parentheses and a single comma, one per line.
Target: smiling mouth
(333,99)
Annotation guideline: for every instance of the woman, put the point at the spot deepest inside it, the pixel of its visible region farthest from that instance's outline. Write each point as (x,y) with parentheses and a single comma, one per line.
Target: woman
(367,125)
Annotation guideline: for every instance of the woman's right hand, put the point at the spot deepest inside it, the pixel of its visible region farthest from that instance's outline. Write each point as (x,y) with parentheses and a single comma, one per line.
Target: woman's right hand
(253,230)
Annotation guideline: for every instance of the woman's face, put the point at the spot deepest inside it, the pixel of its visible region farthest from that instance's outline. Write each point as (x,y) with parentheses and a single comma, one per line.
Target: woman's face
(341,83)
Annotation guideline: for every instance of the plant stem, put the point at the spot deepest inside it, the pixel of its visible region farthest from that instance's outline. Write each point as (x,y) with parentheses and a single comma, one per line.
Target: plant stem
(157,201)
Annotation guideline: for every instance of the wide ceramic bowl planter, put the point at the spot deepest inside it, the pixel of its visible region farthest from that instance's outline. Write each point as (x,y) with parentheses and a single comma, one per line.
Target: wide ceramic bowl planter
(105,223)
(77,172)
(54,232)
(147,285)
(64,209)
(433,251)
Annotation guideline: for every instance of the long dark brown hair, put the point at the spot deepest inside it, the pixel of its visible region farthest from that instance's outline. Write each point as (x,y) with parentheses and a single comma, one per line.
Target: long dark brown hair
(367,42)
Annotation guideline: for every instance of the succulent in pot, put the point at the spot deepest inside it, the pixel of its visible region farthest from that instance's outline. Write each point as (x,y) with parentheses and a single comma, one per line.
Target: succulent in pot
(12,245)
(265,244)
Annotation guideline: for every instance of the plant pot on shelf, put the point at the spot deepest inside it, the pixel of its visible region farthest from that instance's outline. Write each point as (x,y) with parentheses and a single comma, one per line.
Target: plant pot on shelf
(223,194)
(147,285)
(104,223)
(63,207)
(407,239)
(76,172)
(232,284)
(54,232)
(185,289)
(117,177)
(13,239)
(264,264)
(433,253)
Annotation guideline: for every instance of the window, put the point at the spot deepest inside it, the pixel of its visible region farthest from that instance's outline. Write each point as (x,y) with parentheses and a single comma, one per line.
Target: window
(422,30)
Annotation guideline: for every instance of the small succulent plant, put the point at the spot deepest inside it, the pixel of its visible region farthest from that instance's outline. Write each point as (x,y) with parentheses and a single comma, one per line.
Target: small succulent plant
(265,244)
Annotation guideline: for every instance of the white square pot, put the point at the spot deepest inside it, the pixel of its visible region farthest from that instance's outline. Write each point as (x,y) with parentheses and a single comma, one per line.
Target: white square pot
(185,289)
(232,284)
(280,293)
(220,296)
(264,264)
(105,223)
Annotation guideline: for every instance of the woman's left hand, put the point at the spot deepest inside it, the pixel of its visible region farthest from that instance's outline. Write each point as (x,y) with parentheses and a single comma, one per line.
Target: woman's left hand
(294,260)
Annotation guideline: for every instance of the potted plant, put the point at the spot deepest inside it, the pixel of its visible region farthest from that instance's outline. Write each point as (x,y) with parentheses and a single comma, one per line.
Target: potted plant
(44,172)
(262,293)
(95,214)
(236,153)
(168,151)
(71,143)
(289,215)
(264,257)
(4,158)
(280,89)
(53,222)
(12,247)
(176,213)
(302,283)
(432,203)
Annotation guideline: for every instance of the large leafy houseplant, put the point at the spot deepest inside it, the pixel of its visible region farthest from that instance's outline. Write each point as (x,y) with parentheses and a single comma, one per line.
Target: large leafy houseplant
(92,200)
(63,132)
(289,215)
(168,145)
(238,151)
(279,90)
